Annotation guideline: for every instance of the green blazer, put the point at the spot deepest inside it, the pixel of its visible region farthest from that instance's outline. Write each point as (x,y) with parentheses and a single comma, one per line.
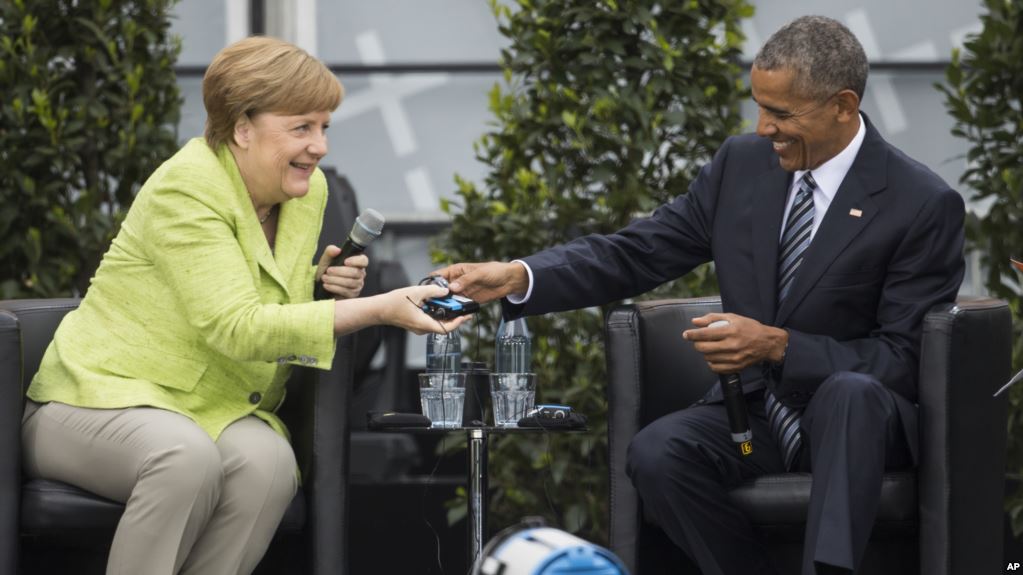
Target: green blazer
(189,310)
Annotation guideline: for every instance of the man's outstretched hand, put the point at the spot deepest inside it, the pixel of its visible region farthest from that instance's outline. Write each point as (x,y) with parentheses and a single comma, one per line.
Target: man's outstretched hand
(484,282)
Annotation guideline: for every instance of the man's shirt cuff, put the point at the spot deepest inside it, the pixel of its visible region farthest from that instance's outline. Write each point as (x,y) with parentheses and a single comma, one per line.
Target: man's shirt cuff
(519,299)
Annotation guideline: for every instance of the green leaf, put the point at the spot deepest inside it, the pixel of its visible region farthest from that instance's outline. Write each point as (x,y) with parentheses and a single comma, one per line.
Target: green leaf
(569,118)
(28,24)
(456,514)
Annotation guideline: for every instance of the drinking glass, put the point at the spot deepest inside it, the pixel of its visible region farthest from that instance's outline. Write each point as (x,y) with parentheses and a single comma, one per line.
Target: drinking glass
(512,396)
(442,395)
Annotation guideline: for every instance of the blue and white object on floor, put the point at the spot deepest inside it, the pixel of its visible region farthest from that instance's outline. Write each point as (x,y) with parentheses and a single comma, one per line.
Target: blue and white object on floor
(548,551)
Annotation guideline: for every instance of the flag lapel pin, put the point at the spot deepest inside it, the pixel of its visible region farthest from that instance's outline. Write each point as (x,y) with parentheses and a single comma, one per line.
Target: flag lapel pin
(856,213)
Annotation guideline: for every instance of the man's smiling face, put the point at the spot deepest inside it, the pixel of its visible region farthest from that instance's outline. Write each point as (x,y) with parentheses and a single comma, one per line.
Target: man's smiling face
(805,132)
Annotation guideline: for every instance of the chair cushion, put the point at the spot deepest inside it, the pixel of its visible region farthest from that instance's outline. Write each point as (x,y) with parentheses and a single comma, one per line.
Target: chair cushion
(782,500)
(50,507)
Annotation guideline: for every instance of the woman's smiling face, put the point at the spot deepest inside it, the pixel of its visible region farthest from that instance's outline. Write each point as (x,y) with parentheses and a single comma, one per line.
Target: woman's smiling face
(281,152)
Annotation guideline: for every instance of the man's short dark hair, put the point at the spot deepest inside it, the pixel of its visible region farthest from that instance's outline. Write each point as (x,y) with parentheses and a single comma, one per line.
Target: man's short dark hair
(824,55)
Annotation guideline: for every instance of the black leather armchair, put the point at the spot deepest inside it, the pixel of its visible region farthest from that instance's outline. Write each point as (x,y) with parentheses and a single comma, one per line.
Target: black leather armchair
(315,412)
(945,518)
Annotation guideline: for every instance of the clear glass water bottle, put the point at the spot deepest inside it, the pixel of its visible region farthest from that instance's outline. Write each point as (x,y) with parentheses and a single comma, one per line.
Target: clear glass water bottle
(514,347)
(443,352)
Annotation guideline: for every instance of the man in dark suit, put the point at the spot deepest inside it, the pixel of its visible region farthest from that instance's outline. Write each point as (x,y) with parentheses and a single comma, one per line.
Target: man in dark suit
(830,245)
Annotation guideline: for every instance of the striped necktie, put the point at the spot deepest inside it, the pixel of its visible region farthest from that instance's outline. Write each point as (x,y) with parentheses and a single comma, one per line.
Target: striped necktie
(784,420)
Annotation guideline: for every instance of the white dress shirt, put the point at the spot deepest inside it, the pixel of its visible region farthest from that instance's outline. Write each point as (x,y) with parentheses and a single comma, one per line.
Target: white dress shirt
(828,176)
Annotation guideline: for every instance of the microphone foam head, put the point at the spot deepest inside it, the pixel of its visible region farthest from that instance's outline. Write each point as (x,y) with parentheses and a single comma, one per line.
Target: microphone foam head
(367,227)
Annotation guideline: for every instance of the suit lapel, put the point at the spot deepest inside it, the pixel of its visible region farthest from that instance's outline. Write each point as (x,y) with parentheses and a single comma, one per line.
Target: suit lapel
(253,241)
(768,208)
(250,231)
(293,231)
(849,213)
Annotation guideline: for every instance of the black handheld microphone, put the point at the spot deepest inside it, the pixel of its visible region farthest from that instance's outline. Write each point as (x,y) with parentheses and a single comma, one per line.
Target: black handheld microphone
(367,228)
(735,406)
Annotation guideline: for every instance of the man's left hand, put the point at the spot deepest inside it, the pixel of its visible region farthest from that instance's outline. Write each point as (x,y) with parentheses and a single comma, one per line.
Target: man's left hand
(738,345)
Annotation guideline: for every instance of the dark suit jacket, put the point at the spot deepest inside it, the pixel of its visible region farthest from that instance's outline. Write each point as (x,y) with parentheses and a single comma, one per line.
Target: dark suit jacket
(859,298)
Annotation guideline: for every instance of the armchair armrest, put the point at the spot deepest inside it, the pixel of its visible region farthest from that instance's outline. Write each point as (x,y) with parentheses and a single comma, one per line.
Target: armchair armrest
(650,373)
(26,328)
(965,358)
(379,385)
(10,440)
(316,413)
(392,394)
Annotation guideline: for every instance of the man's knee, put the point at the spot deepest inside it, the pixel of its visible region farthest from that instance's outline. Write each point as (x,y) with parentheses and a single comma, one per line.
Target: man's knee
(854,396)
(660,447)
(847,387)
(641,454)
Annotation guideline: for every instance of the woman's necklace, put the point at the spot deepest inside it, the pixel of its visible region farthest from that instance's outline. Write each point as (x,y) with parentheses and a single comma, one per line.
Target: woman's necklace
(263,219)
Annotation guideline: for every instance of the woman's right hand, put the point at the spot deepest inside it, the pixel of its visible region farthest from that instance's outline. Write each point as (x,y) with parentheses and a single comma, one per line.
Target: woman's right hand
(403,309)
(343,281)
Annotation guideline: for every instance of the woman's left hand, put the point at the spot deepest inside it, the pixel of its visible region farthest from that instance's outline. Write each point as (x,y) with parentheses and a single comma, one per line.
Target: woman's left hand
(345,281)
(402,307)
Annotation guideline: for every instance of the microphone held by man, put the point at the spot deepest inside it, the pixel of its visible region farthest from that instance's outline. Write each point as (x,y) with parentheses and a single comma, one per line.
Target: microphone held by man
(735,405)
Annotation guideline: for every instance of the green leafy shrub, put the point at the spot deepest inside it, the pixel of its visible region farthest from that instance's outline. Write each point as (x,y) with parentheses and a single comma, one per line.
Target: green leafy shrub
(88,108)
(608,109)
(984,95)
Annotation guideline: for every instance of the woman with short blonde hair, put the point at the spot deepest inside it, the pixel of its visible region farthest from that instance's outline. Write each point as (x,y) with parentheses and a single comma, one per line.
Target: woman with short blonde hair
(261,74)
(161,390)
